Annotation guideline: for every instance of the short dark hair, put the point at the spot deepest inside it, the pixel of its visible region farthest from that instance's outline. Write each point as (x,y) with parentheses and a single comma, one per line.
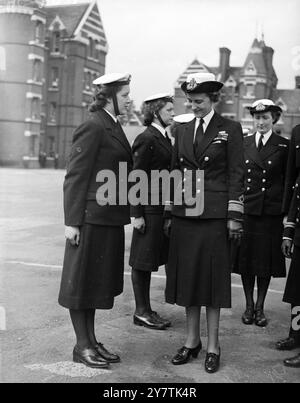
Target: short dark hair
(101,95)
(275,115)
(214,96)
(149,109)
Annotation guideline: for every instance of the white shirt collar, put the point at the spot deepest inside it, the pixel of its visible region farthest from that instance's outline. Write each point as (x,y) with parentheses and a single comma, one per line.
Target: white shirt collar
(160,128)
(265,138)
(206,119)
(111,115)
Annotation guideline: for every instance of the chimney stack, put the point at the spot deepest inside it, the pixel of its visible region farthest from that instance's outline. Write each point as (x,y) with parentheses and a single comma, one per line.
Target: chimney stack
(224,62)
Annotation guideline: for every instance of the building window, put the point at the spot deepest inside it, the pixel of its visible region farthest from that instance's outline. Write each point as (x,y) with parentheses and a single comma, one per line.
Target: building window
(37,71)
(39,31)
(32,145)
(52,112)
(250,91)
(247,114)
(96,51)
(91,47)
(54,77)
(230,94)
(87,80)
(56,42)
(35,109)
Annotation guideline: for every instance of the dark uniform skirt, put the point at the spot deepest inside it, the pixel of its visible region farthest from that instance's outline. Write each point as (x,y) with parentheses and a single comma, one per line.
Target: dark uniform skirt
(260,251)
(292,288)
(198,271)
(93,272)
(149,250)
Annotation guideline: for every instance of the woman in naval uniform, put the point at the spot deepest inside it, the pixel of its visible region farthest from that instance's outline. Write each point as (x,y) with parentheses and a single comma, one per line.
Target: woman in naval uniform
(94,255)
(198,271)
(260,256)
(291,238)
(152,151)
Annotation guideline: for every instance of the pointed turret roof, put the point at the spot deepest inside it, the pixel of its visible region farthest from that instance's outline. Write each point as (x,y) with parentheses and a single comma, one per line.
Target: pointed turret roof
(260,61)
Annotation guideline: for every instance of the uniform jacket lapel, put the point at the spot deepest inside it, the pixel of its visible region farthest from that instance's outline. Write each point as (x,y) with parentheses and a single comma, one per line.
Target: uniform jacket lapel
(252,152)
(212,130)
(161,139)
(115,129)
(270,148)
(188,141)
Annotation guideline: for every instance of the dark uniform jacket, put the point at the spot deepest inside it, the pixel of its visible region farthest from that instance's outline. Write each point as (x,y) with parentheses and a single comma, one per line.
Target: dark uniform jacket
(292,226)
(293,168)
(151,152)
(265,175)
(220,156)
(98,144)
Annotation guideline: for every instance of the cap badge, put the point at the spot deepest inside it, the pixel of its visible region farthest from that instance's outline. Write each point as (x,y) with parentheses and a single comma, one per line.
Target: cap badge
(192,85)
(260,107)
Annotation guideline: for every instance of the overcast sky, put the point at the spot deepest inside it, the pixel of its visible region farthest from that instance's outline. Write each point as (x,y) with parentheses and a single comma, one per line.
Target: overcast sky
(155,40)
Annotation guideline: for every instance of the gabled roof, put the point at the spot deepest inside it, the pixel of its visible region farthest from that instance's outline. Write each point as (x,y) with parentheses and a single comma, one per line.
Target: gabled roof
(194,67)
(70,15)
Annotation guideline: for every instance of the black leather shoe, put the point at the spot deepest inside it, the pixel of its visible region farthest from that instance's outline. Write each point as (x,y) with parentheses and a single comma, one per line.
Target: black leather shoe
(158,318)
(248,316)
(184,354)
(212,362)
(148,321)
(260,319)
(287,344)
(105,354)
(89,357)
(293,362)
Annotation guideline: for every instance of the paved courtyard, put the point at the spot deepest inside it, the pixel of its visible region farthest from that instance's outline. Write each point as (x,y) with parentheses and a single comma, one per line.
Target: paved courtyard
(36,334)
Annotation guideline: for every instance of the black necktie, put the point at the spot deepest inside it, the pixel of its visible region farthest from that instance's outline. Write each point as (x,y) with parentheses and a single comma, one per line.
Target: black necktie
(260,142)
(168,138)
(199,135)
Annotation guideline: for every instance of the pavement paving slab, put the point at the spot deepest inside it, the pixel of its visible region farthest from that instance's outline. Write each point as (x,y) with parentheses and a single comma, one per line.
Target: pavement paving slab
(36,334)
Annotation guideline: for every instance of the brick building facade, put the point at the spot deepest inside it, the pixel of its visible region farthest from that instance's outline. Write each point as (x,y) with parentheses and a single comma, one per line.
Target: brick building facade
(256,79)
(49,58)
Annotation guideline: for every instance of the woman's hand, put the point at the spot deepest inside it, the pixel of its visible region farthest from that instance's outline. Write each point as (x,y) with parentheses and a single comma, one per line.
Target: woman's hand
(72,234)
(235,230)
(286,248)
(139,224)
(167,227)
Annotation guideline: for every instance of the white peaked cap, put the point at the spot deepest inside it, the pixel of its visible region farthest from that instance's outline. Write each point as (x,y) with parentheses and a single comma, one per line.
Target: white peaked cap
(265,102)
(112,78)
(155,97)
(184,118)
(201,77)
